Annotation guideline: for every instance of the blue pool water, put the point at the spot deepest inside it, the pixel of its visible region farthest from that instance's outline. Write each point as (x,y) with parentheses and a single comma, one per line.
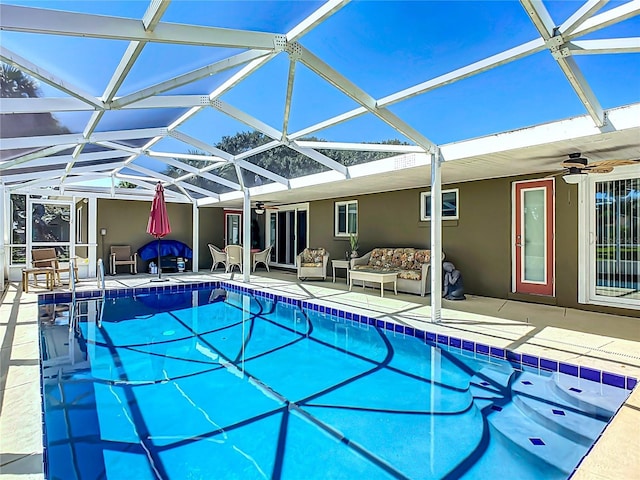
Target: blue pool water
(179,386)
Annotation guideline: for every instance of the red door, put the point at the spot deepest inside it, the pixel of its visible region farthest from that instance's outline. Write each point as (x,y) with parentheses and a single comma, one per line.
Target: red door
(534,234)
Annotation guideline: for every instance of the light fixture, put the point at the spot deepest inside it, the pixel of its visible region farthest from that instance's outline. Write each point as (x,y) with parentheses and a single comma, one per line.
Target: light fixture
(573,178)
(259,208)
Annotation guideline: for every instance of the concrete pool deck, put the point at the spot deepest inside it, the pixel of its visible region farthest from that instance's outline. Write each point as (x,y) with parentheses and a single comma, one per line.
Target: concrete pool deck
(606,342)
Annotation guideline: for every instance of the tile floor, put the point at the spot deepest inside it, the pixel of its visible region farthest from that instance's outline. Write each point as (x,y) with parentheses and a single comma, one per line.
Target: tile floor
(607,342)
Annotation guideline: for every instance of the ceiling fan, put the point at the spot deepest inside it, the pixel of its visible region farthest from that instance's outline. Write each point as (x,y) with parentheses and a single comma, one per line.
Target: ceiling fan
(260,207)
(576,164)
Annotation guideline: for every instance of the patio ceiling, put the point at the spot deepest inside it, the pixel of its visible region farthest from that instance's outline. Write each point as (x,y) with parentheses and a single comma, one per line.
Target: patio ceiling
(136,94)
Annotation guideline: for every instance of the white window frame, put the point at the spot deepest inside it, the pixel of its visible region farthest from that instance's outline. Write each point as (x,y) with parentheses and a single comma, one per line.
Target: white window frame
(336,217)
(423,205)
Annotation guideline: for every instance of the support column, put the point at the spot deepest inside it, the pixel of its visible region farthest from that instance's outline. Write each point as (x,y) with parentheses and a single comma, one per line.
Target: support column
(196,238)
(246,236)
(436,237)
(92,236)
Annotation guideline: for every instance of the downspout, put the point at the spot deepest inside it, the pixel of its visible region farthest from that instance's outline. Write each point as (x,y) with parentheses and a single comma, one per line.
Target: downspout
(436,237)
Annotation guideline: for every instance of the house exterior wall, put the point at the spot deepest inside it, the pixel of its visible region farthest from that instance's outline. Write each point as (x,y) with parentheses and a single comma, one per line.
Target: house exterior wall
(479,243)
(126,224)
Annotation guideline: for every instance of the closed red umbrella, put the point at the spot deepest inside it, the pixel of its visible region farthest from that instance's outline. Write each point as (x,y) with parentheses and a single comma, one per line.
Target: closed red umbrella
(158,225)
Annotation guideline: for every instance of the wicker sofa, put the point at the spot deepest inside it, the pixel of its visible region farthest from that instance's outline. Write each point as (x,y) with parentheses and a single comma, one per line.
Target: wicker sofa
(412,265)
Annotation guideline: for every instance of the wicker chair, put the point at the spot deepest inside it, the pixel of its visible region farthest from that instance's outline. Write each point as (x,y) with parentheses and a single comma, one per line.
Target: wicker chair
(234,257)
(263,257)
(312,262)
(218,256)
(121,255)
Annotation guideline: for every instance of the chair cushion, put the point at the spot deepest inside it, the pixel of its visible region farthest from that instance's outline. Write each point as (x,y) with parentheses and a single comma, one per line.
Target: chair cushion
(312,256)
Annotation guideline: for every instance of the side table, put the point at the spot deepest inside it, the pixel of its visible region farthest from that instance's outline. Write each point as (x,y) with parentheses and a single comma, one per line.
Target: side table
(47,271)
(340,264)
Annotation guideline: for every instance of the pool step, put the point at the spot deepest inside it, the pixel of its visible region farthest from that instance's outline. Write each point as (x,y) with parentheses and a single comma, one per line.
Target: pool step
(531,438)
(591,397)
(491,384)
(535,397)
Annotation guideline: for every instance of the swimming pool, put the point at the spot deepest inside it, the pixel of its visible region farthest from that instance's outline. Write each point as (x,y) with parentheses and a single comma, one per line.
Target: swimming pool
(177,385)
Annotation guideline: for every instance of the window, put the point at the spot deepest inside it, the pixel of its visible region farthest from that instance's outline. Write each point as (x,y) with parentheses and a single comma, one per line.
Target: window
(18,242)
(449,205)
(346,218)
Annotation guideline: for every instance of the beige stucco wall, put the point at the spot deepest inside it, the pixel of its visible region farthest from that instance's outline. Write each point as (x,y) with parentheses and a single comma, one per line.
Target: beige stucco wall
(126,224)
(478,243)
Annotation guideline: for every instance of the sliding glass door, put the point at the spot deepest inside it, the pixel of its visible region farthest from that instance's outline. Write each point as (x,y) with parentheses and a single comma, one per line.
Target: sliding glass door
(287,231)
(615,253)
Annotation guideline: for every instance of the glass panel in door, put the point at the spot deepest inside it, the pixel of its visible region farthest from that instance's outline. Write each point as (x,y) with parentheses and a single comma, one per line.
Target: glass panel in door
(233,222)
(617,248)
(534,236)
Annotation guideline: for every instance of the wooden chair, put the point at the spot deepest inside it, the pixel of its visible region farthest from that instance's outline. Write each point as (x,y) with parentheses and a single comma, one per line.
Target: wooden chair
(234,257)
(218,256)
(263,257)
(42,258)
(121,255)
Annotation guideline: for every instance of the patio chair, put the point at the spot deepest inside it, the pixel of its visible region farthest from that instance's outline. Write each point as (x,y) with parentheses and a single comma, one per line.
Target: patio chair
(218,256)
(121,255)
(263,257)
(234,257)
(47,258)
(312,262)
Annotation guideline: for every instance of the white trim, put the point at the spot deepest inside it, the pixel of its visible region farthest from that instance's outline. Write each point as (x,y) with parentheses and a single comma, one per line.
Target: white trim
(587,289)
(423,206)
(346,203)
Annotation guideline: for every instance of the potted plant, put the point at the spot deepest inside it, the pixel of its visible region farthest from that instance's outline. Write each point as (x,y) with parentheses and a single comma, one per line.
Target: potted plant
(353,240)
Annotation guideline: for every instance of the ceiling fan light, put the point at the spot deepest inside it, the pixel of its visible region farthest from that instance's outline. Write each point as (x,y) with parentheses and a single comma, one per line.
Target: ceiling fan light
(259,211)
(573,178)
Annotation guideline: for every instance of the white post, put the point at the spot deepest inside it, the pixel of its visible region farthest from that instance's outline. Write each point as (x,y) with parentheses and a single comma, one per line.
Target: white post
(436,237)
(246,236)
(195,240)
(92,237)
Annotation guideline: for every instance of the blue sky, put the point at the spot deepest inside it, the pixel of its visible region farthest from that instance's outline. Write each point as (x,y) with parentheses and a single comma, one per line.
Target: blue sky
(382,47)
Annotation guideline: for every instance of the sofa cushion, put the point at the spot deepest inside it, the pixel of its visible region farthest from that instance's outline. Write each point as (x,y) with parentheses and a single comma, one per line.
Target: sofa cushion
(312,257)
(410,274)
(399,258)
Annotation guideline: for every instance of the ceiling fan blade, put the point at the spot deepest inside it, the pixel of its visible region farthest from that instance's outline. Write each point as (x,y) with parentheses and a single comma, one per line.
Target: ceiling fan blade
(599,169)
(612,163)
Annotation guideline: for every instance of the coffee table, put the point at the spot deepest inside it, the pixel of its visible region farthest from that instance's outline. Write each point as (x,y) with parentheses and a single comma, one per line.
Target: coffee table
(374,276)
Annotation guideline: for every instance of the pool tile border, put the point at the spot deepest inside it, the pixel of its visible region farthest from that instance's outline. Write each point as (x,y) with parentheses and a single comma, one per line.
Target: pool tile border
(516,359)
